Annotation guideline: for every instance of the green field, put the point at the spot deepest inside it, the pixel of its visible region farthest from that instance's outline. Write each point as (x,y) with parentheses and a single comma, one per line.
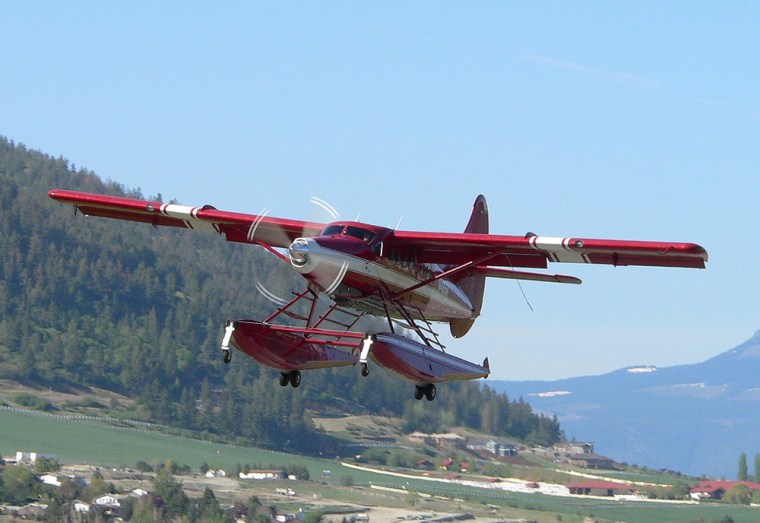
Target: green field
(92,442)
(96,443)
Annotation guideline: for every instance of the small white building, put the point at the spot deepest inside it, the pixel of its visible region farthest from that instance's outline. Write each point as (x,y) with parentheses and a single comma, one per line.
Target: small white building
(215,473)
(29,457)
(107,500)
(501,448)
(51,479)
(138,493)
(263,474)
(81,506)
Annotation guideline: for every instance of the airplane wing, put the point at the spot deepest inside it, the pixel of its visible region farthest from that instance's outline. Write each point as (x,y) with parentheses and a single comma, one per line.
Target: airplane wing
(431,247)
(536,251)
(237,227)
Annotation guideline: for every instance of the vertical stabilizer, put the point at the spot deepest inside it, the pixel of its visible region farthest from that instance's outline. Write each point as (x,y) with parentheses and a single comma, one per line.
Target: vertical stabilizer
(473,285)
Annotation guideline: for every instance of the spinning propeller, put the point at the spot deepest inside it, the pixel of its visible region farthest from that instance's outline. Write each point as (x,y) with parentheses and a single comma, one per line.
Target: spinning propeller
(300,252)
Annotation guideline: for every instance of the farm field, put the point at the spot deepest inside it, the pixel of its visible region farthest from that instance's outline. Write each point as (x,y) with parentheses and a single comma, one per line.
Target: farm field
(93,442)
(88,441)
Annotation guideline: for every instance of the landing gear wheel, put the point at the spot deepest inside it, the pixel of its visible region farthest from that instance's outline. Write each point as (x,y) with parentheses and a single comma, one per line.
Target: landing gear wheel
(295,378)
(365,370)
(430,392)
(284,379)
(227,356)
(418,393)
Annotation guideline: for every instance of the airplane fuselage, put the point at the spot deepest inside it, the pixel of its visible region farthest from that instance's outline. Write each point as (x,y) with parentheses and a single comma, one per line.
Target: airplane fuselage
(353,265)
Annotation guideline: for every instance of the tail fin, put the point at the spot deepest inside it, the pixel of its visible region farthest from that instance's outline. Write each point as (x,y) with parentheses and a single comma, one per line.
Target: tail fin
(473,285)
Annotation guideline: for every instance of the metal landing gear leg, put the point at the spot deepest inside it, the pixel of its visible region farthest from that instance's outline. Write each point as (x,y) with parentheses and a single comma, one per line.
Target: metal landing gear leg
(369,339)
(229,328)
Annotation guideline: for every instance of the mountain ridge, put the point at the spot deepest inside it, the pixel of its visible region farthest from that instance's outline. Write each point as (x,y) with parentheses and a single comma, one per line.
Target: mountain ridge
(696,418)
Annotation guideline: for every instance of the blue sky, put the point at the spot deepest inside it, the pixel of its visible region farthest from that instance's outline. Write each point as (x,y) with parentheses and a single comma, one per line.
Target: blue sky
(629,120)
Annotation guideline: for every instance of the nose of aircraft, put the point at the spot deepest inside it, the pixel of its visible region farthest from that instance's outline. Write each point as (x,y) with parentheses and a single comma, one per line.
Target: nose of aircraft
(299,252)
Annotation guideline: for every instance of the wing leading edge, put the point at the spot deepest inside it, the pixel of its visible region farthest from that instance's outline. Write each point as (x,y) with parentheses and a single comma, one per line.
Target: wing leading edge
(535,251)
(237,227)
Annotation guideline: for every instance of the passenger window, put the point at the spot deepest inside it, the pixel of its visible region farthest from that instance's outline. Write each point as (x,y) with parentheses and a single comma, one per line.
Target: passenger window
(363,234)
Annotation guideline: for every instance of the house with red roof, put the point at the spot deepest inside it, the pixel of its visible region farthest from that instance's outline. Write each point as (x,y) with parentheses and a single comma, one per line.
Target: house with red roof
(600,488)
(711,489)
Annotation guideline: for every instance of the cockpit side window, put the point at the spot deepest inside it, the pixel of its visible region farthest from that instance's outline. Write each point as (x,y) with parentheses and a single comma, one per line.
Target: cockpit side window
(349,230)
(363,234)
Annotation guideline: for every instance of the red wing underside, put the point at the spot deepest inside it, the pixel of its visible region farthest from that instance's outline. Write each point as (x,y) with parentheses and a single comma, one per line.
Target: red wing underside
(536,251)
(237,227)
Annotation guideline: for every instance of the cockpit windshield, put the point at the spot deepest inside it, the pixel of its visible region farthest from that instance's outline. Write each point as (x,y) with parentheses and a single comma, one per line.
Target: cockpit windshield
(332,230)
(349,230)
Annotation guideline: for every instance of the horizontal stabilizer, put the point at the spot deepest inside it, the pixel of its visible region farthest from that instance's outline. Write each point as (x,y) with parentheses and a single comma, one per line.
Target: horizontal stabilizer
(509,274)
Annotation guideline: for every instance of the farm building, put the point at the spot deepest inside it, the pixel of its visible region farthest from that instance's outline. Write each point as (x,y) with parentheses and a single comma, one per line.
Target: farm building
(591,461)
(32,511)
(715,489)
(501,448)
(52,479)
(600,488)
(449,441)
(263,474)
(107,500)
(424,464)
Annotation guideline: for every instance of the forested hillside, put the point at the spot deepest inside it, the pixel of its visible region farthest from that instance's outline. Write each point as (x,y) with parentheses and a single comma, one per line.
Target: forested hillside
(140,310)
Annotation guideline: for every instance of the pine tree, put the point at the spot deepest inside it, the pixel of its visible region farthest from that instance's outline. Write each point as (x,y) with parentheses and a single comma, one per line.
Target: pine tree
(742,475)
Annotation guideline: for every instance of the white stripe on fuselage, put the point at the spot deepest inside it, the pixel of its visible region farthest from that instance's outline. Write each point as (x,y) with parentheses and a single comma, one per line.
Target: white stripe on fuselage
(445,298)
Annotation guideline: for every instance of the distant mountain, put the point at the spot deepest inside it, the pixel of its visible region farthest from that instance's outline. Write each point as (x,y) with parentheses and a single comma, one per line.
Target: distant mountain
(696,419)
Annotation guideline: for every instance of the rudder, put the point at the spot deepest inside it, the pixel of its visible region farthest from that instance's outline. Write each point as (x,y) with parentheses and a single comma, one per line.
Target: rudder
(473,285)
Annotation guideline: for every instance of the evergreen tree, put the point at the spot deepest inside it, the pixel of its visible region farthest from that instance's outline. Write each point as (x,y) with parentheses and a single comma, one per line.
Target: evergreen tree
(742,474)
(18,484)
(175,501)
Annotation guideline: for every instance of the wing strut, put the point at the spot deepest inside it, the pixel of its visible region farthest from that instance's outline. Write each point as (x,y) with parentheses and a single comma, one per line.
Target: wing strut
(445,274)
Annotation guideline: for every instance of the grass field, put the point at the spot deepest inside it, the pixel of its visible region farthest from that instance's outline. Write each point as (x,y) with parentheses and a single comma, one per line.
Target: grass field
(94,442)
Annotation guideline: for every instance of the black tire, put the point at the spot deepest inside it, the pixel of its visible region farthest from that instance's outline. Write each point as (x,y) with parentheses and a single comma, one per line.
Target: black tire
(430,392)
(284,379)
(418,393)
(365,370)
(295,378)
(227,356)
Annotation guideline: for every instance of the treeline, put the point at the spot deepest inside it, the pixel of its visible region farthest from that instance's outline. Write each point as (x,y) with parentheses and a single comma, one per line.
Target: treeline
(140,310)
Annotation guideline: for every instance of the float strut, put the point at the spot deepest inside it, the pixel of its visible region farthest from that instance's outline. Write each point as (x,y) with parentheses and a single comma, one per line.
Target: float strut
(229,328)
(367,342)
